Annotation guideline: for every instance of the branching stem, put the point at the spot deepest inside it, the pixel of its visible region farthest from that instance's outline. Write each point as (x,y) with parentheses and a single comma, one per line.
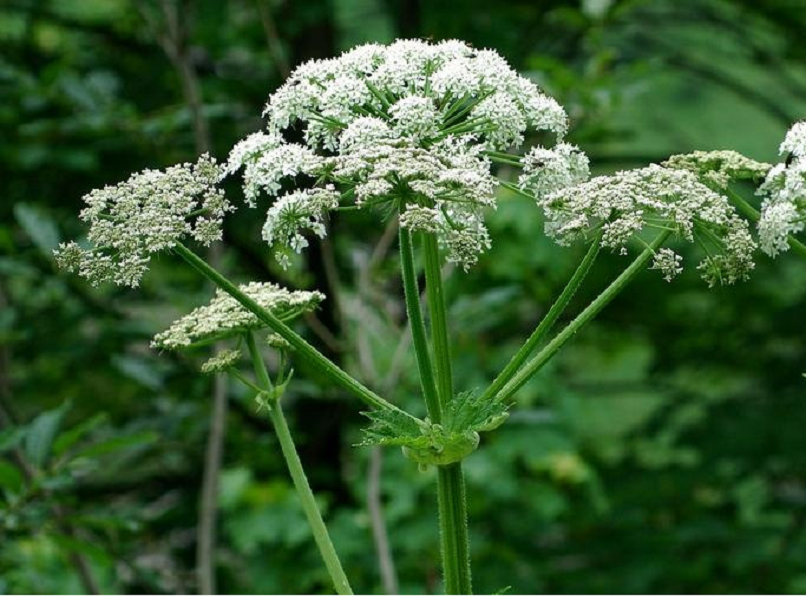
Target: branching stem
(417,324)
(593,309)
(303,348)
(450,482)
(525,351)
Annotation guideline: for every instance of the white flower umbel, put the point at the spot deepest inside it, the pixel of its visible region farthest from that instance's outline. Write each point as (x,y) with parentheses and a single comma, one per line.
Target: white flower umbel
(547,170)
(406,125)
(225,317)
(627,203)
(147,213)
(783,210)
(295,212)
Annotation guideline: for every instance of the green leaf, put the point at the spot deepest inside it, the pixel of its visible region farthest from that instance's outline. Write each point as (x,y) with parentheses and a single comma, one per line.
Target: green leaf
(11,479)
(39,226)
(117,444)
(10,438)
(41,433)
(83,547)
(71,437)
(140,370)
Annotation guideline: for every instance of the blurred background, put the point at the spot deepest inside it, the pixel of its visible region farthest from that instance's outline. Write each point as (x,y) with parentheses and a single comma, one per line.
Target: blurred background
(662,451)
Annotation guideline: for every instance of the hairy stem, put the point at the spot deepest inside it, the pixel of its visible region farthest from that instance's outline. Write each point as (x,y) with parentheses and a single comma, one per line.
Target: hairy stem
(417,324)
(751,213)
(593,309)
(303,348)
(525,351)
(297,472)
(454,540)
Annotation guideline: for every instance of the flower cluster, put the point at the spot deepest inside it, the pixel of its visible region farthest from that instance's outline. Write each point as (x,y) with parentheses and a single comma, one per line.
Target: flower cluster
(408,125)
(717,168)
(547,170)
(625,204)
(149,212)
(783,211)
(224,317)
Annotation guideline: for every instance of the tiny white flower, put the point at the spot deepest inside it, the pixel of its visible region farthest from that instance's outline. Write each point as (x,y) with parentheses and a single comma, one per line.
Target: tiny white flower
(667,262)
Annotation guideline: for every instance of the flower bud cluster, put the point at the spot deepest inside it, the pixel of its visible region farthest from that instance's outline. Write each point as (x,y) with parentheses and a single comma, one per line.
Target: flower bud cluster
(717,168)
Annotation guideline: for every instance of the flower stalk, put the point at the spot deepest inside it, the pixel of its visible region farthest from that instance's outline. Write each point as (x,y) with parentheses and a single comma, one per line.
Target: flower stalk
(305,350)
(297,472)
(452,501)
(592,310)
(525,351)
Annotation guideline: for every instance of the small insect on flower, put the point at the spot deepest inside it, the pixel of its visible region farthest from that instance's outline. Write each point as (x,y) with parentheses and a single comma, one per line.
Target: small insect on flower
(148,213)
(224,317)
(407,126)
(783,210)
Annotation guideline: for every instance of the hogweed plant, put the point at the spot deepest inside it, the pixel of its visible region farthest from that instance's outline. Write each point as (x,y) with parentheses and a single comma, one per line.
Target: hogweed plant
(418,132)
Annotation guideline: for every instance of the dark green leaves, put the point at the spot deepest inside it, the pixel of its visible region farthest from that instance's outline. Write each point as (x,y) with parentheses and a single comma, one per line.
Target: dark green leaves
(41,434)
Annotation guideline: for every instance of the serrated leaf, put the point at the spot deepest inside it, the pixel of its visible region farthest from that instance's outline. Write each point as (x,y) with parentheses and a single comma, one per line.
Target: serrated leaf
(41,433)
(468,412)
(390,428)
(39,226)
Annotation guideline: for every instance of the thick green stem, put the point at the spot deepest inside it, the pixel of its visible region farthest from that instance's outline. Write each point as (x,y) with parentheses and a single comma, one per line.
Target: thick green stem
(525,351)
(303,348)
(439,326)
(454,540)
(593,309)
(751,213)
(454,543)
(417,324)
(297,472)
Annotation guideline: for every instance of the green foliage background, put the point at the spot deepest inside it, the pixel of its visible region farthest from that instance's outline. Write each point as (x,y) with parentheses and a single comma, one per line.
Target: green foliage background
(662,451)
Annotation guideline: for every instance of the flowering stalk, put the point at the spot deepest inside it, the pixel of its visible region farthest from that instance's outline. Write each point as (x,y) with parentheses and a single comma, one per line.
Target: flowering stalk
(450,482)
(308,352)
(522,355)
(417,324)
(297,472)
(593,309)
